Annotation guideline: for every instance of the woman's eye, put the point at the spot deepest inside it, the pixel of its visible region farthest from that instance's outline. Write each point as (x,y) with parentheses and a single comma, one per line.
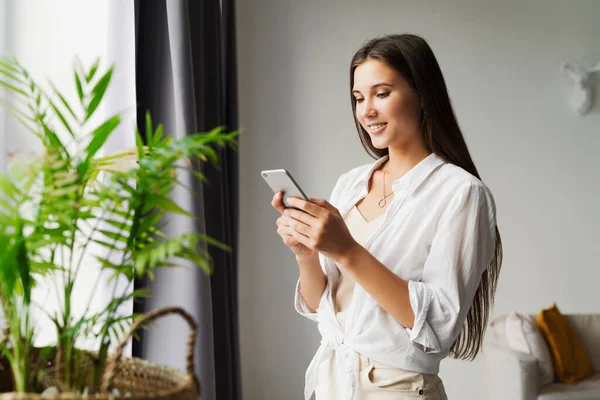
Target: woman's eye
(380,95)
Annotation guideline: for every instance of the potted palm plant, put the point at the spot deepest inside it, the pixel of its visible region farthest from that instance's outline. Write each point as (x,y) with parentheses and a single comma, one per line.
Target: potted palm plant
(58,206)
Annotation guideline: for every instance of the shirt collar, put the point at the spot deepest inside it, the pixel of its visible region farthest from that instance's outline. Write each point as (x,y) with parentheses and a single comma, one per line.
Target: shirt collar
(409,181)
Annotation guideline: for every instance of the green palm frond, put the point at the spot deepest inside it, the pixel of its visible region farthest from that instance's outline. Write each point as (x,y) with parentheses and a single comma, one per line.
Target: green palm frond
(57,205)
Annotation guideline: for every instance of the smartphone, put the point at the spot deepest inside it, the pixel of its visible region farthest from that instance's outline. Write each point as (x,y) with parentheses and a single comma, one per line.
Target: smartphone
(281,180)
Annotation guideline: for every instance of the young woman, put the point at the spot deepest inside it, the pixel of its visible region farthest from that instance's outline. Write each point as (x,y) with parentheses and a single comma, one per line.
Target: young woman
(399,269)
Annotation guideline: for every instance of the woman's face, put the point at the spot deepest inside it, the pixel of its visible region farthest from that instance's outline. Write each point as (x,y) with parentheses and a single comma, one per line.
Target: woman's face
(386,106)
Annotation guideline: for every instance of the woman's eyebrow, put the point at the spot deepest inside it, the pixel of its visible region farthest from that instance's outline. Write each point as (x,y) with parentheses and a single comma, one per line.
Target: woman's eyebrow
(374,86)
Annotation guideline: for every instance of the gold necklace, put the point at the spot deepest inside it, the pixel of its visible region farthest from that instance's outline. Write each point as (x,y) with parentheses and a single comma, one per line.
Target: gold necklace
(383,200)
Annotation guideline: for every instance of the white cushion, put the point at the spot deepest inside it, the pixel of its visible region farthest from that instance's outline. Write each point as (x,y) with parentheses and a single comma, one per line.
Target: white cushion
(587,329)
(520,333)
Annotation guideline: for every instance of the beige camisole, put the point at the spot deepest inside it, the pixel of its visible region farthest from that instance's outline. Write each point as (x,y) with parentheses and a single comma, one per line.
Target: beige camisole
(361,230)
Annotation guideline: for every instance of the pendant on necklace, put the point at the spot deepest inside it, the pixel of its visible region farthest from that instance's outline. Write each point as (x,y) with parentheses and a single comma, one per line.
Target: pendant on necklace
(382,203)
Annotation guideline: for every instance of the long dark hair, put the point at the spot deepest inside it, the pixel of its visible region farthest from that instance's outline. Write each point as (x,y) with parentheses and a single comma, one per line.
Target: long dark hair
(412,57)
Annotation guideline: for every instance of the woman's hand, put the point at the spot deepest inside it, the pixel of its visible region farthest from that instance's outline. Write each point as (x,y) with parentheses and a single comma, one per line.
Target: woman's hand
(319,226)
(286,232)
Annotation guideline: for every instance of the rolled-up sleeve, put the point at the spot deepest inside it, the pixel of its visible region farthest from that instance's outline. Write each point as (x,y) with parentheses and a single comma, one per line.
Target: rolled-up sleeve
(301,306)
(462,248)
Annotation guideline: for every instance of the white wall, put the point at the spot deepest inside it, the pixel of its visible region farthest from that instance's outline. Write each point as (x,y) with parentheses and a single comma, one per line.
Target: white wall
(501,62)
(46,36)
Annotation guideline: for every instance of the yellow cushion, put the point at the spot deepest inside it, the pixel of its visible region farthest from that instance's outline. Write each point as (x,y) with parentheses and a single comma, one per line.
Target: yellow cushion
(571,363)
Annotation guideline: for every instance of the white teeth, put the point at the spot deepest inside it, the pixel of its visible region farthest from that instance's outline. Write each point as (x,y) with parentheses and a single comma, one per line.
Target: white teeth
(375,127)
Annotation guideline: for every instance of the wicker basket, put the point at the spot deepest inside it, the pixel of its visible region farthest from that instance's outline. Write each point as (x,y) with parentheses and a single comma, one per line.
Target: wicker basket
(142,380)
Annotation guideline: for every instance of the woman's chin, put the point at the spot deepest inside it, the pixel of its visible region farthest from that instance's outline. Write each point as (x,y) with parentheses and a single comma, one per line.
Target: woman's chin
(378,143)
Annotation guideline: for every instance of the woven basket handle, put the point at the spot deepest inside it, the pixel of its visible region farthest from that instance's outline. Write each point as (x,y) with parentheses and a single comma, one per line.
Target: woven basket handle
(109,373)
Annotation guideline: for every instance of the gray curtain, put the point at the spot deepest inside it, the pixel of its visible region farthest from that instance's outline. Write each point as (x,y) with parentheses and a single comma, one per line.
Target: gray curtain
(186,77)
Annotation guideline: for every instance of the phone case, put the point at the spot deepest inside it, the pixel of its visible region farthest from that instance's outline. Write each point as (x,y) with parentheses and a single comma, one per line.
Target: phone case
(281,180)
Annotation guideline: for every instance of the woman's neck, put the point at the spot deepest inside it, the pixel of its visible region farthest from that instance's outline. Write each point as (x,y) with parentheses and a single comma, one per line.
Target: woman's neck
(402,160)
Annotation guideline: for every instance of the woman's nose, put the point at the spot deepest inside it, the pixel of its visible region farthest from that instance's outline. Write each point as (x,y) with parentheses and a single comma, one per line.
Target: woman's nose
(368,110)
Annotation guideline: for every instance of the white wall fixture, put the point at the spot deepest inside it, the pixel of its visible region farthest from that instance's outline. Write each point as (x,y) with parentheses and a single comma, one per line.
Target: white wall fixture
(580,99)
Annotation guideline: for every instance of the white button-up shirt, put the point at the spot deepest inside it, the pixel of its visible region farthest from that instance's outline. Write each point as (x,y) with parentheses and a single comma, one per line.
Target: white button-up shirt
(438,233)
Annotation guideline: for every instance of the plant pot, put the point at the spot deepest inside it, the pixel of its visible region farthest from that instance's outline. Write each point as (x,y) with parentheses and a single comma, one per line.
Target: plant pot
(134,378)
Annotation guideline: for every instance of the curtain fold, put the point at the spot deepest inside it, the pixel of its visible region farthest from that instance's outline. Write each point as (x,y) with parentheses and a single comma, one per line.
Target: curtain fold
(215,69)
(186,77)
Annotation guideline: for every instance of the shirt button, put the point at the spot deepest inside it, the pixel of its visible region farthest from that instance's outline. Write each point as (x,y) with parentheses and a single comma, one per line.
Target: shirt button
(346,355)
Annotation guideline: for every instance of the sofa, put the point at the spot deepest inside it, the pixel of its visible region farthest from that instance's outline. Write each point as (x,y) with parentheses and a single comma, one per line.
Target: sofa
(516,360)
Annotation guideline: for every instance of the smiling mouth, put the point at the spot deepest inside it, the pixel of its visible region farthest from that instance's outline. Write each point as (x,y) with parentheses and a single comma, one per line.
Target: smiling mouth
(377,127)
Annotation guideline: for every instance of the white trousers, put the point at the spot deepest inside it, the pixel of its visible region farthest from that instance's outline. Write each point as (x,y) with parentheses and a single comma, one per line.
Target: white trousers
(380,382)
